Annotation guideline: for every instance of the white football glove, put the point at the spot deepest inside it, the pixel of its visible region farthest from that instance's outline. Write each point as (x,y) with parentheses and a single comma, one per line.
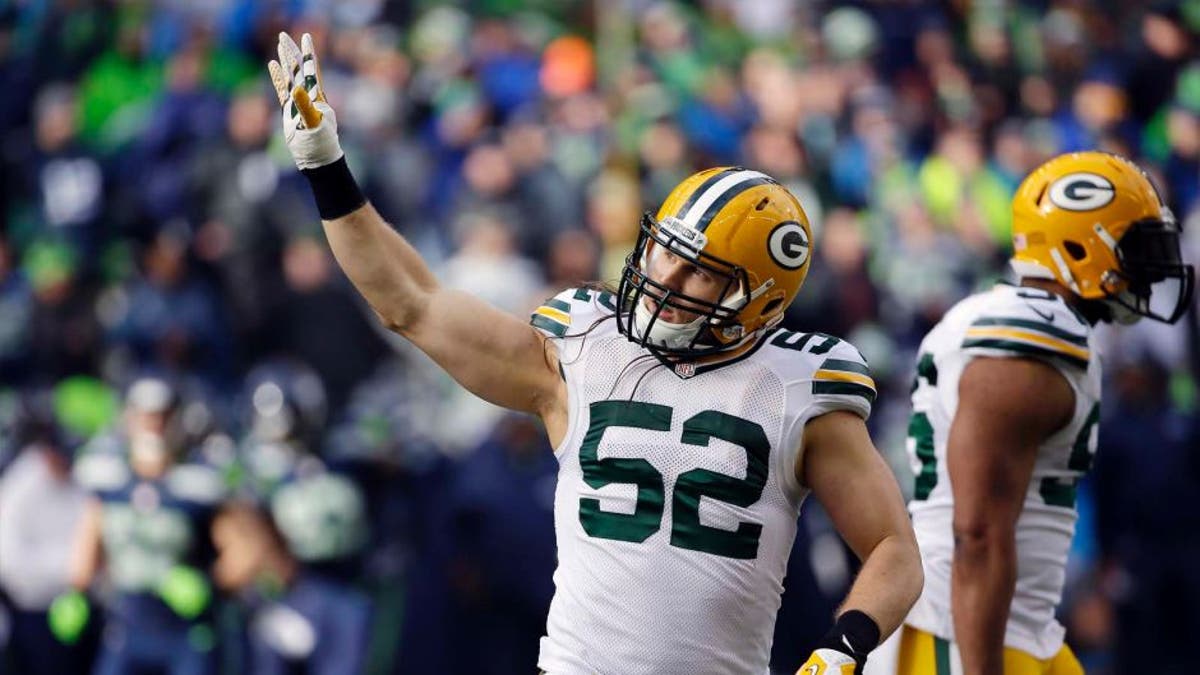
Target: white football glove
(309,124)
(828,662)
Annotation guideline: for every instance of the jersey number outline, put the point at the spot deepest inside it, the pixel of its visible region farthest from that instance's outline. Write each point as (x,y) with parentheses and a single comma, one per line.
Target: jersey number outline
(686,529)
(1062,492)
(920,433)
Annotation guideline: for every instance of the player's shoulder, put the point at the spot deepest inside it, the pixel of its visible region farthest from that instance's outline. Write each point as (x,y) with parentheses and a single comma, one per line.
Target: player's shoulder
(100,465)
(197,482)
(573,311)
(1025,321)
(829,370)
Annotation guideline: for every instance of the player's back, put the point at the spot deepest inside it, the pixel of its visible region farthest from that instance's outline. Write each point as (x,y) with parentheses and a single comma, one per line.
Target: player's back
(1005,322)
(677,499)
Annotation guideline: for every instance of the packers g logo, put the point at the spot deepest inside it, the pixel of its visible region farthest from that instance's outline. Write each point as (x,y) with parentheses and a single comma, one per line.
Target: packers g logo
(1082,191)
(788,245)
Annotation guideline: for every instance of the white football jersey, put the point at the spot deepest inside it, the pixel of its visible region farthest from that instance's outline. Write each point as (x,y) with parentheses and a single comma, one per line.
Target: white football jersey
(1015,322)
(677,501)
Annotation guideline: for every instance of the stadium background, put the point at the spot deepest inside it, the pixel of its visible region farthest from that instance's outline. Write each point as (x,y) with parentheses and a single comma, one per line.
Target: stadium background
(152,221)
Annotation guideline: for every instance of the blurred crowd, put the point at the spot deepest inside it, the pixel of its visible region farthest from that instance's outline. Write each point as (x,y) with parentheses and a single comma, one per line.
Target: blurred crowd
(205,428)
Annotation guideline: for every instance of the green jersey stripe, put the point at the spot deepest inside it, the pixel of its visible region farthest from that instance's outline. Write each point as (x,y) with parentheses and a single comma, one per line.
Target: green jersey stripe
(1042,327)
(559,305)
(547,324)
(844,389)
(1022,348)
(941,656)
(846,366)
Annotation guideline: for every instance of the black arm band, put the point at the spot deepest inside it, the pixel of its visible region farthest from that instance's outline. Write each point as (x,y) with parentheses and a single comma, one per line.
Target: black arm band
(854,634)
(334,189)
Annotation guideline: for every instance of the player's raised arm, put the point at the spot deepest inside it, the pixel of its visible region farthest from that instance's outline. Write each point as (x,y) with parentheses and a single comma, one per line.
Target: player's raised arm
(856,487)
(494,355)
(1006,409)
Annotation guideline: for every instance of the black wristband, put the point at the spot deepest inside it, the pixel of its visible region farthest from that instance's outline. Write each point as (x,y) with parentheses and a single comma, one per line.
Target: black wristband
(334,189)
(854,634)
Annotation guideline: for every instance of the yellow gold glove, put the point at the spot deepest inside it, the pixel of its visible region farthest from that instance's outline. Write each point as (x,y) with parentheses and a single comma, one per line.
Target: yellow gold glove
(309,125)
(828,662)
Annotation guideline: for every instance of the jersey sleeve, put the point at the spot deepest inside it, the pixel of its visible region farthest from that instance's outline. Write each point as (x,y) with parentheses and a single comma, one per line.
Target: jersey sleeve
(572,311)
(826,375)
(100,467)
(1030,323)
(842,381)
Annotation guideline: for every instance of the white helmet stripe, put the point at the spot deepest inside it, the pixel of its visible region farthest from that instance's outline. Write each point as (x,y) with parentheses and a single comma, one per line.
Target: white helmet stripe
(712,194)
(1105,236)
(1063,270)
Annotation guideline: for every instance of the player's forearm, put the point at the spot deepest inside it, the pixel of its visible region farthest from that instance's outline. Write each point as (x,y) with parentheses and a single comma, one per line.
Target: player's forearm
(385,268)
(889,582)
(982,582)
(86,550)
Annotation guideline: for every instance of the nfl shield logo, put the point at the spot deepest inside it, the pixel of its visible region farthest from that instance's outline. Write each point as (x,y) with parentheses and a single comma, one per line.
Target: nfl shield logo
(685,370)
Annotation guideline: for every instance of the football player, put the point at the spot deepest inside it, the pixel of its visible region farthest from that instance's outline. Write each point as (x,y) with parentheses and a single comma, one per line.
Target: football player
(149,528)
(317,516)
(1005,410)
(688,427)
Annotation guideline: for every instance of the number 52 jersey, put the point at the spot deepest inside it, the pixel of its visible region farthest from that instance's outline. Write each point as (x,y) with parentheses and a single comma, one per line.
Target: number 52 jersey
(676,504)
(1013,322)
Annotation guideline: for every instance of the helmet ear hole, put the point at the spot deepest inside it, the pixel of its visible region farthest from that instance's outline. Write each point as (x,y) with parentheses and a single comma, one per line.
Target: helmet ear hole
(1075,250)
(772,305)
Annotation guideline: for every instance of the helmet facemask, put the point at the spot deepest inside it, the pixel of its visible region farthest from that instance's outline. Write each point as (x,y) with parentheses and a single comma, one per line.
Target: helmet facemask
(1153,281)
(644,324)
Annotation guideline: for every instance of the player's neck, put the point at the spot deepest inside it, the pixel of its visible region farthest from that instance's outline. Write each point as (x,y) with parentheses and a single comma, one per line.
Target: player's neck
(1083,307)
(1053,287)
(730,355)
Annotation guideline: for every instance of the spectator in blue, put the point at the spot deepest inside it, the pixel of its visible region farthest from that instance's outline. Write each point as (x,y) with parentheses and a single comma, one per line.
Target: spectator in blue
(1147,483)
(503,522)
(16,308)
(246,206)
(320,322)
(65,336)
(61,185)
(1181,169)
(170,318)
(187,118)
(1098,108)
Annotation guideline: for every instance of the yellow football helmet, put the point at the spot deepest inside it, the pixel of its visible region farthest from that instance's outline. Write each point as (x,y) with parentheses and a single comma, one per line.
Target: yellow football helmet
(739,225)
(1094,222)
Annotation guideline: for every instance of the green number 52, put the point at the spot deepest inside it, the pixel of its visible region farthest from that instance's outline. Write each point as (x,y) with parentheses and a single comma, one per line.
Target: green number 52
(686,530)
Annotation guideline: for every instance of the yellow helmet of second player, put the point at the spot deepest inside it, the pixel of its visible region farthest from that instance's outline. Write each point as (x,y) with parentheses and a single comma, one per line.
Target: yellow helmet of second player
(738,224)
(1095,223)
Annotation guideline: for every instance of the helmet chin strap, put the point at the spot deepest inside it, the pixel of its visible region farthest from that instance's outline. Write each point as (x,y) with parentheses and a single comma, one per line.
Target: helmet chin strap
(1119,308)
(664,333)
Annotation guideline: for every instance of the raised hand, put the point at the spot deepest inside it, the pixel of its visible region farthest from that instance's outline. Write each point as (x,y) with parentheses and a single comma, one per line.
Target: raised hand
(309,123)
